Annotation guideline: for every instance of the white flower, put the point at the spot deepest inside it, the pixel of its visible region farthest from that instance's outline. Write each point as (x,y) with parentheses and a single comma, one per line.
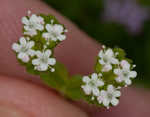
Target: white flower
(92,84)
(124,73)
(24,49)
(54,32)
(109,97)
(43,61)
(107,58)
(33,24)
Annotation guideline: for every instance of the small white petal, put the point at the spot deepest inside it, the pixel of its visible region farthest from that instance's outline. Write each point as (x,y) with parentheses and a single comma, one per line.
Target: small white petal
(22,41)
(48,27)
(86,79)
(106,102)
(33,18)
(43,67)
(24,57)
(16,47)
(101,61)
(99,83)
(110,88)
(128,81)
(100,54)
(31,44)
(117,93)
(95,91)
(52,61)
(36,62)
(87,89)
(107,68)
(40,27)
(125,64)
(109,52)
(94,76)
(117,71)
(100,99)
(58,28)
(61,37)
(114,61)
(41,20)
(21,55)
(54,39)
(46,35)
(133,74)
(25,20)
(119,79)
(114,102)
(30,32)
(48,53)
(39,54)
(31,52)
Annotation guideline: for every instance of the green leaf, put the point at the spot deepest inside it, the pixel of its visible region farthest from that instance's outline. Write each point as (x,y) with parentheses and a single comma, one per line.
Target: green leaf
(48,18)
(98,67)
(58,79)
(74,90)
(30,69)
(121,53)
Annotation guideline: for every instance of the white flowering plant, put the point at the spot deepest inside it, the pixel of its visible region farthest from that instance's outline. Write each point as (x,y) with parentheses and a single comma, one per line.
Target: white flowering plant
(35,48)
(35,51)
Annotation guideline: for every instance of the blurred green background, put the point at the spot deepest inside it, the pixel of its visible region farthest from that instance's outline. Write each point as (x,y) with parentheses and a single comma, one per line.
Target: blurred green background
(122,23)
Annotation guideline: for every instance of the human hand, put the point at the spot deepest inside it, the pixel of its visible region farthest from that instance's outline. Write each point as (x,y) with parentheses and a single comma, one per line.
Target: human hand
(26,95)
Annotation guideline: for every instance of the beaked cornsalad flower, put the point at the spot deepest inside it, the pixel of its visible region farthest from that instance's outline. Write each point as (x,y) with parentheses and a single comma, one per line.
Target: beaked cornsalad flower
(24,49)
(92,84)
(43,60)
(109,96)
(32,24)
(35,50)
(115,71)
(34,47)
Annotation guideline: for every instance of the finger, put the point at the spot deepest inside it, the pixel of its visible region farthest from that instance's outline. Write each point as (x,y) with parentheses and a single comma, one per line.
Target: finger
(78,52)
(20,98)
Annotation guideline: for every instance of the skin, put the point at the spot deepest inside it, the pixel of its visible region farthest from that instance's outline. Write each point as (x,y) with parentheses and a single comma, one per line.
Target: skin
(23,95)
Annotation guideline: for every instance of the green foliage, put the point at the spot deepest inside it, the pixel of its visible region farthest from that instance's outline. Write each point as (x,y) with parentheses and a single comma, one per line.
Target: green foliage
(121,53)
(60,81)
(74,90)
(57,80)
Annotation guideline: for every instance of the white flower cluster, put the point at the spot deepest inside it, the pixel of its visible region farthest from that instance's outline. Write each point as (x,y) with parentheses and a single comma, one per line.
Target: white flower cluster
(124,74)
(41,59)
(32,24)
(107,58)
(24,49)
(92,84)
(54,32)
(98,86)
(36,23)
